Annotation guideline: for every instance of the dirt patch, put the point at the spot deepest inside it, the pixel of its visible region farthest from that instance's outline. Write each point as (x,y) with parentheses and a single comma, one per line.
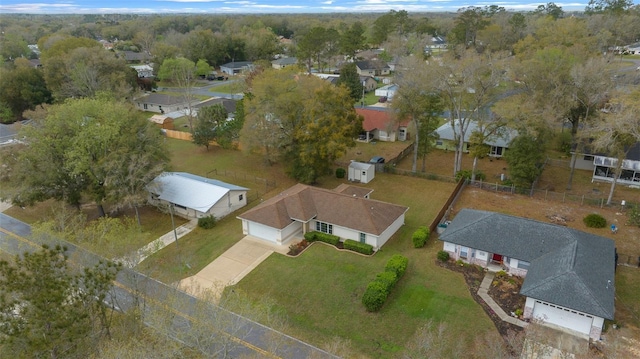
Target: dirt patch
(505,291)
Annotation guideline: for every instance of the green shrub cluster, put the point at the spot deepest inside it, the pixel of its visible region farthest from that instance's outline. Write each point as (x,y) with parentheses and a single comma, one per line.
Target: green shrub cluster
(340,172)
(379,289)
(466,174)
(207,222)
(443,256)
(397,264)
(359,247)
(420,237)
(633,215)
(594,220)
(322,237)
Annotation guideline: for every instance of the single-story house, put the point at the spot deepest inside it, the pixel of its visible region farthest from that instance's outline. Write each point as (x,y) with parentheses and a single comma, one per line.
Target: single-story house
(283,62)
(162,121)
(236,67)
(369,83)
(361,172)
(372,68)
(160,103)
(144,71)
(569,274)
(604,167)
(499,142)
(192,196)
(387,91)
(341,212)
(132,57)
(436,43)
(378,124)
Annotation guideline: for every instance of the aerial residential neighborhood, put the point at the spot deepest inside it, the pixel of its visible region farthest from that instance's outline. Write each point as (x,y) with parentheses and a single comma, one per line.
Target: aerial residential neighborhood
(188,182)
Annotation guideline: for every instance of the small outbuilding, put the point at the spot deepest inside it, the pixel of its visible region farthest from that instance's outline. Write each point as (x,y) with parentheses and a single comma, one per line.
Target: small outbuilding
(162,121)
(361,172)
(193,196)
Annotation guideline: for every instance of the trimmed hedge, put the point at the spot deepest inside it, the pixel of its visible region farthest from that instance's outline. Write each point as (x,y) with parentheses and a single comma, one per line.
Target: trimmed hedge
(359,247)
(322,237)
(595,220)
(379,289)
(443,256)
(340,172)
(420,237)
(397,264)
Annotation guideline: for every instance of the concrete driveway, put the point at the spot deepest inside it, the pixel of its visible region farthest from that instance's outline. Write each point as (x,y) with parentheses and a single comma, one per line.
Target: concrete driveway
(230,267)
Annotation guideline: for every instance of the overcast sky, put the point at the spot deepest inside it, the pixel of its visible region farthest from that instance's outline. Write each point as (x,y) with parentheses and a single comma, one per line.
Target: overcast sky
(260,6)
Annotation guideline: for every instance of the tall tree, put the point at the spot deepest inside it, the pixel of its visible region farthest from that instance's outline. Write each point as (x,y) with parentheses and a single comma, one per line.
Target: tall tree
(352,40)
(210,120)
(525,157)
(468,23)
(418,103)
(351,80)
(22,88)
(86,146)
(182,73)
(302,120)
(48,311)
(617,132)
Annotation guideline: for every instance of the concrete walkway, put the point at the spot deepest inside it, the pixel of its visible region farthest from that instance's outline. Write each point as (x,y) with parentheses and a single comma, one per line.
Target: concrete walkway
(141,254)
(483,292)
(230,267)
(4,206)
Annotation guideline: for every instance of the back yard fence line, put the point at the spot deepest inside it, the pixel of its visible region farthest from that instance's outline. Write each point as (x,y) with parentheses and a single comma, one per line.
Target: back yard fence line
(268,184)
(180,135)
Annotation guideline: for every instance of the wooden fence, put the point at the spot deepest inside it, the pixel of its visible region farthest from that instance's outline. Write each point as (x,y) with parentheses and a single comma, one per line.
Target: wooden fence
(180,135)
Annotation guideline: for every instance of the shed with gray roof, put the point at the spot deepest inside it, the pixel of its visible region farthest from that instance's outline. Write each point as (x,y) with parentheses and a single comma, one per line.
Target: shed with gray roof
(193,196)
(569,274)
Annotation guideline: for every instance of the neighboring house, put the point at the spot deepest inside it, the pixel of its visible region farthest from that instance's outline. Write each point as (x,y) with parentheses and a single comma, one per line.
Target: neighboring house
(133,57)
(378,124)
(234,68)
(437,43)
(371,54)
(343,212)
(35,63)
(228,104)
(283,62)
(192,196)
(569,274)
(160,103)
(499,142)
(361,172)
(372,68)
(369,83)
(162,121)
(387,91)
(604,167)
(144,71)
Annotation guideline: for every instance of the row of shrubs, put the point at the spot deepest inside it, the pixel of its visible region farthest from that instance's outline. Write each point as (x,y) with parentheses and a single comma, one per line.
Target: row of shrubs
(378,290)
(349,244)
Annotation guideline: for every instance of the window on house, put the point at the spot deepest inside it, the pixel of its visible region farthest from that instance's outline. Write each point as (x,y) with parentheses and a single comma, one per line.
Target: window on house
(363,238)
(523,265)
(496,151)
(464,252)
(240,197)
(588,158)
(324,227)
(438,143)
(145,106)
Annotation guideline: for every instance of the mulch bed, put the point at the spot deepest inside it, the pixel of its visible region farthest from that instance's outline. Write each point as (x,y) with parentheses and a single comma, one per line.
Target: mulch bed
(474,275)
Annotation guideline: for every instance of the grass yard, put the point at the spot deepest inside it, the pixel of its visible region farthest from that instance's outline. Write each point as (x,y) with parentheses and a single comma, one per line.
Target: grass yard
(229,87)
(300,285)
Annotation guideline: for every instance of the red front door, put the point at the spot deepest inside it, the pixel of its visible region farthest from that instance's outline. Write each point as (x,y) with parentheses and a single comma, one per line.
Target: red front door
(497,258)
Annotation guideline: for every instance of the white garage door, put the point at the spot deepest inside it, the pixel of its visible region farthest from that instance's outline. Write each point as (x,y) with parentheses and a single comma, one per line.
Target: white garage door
(563,317)
(263,232)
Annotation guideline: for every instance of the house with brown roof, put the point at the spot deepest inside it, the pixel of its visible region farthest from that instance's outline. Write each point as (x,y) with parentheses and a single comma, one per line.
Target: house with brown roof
(380,125)
(345,212)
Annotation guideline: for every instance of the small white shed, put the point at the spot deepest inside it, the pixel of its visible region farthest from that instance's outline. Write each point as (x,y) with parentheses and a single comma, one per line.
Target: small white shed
(361,172)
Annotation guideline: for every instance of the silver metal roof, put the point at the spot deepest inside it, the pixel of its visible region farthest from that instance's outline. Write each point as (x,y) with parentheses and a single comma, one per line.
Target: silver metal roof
(191,191)
(446,132)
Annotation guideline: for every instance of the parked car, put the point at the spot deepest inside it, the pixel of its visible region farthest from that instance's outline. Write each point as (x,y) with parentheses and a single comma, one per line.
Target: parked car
(377,159)
(382,99)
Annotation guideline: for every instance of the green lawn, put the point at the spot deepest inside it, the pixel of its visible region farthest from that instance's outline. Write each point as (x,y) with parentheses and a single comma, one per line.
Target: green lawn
(230,88)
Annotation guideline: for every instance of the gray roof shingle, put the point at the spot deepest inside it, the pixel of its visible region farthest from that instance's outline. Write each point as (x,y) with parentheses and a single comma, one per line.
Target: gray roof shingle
(569,268)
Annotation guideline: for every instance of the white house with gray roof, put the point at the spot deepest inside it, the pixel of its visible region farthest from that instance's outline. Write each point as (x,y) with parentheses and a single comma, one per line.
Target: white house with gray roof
(499,141)
(569,274)
(194,196)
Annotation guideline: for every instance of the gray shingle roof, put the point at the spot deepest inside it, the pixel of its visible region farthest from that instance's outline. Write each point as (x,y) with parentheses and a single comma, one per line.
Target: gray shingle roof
(569,268)
(506,135)
(191,191)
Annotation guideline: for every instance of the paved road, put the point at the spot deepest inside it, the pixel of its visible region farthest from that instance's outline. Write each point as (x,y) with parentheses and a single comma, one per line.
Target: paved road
(171,310)
(205,90)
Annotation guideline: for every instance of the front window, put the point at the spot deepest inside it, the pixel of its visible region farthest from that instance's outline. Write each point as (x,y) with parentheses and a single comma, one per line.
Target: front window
(363,238)
(240,197)
(464,252)
(324,227)
(523,265)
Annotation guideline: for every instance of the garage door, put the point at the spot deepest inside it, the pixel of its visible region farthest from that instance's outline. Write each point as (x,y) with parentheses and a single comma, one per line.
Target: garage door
(562,317)
(263,232)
